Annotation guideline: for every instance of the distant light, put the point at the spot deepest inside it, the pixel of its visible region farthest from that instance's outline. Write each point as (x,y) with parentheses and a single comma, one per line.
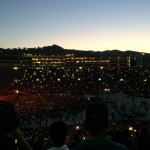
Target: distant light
(15,68)
(16,141)
(130,128)
(15,80)
(37,79)
(106,90)
(17,91)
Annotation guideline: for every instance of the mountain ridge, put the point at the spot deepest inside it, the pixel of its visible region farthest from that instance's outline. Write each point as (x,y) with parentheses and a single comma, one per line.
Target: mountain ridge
(56,49)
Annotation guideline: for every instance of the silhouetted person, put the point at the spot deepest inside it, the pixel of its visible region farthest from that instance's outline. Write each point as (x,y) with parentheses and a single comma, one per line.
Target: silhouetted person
(123,137)
(11,136)
(144,139)
(58,133)
(95,124)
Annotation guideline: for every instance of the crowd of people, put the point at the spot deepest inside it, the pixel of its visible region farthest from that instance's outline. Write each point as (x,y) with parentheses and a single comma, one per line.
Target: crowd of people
(42,99)
(134,134)
(86,80)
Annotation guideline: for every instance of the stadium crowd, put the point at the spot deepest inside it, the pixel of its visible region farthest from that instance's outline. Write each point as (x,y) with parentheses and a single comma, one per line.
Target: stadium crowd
(133,132)
(45,96)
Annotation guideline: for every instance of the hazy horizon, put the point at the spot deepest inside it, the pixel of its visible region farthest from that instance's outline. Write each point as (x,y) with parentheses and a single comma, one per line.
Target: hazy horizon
(81,25)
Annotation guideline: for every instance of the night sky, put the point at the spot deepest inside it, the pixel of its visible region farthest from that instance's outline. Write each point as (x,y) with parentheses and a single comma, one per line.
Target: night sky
(76,24)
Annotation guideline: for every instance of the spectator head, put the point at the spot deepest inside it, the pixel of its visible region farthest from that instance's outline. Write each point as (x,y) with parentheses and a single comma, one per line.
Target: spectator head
(96,120)
(58,133)
(8,119)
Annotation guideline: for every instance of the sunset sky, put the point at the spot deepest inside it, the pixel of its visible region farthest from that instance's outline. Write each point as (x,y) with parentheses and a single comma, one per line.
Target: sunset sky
(76,24)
